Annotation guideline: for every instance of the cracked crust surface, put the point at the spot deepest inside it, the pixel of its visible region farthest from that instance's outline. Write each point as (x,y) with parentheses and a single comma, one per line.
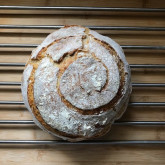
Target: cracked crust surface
(76,83)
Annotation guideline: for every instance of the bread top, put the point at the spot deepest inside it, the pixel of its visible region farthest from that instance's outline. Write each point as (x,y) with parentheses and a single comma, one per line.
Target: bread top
(76,83)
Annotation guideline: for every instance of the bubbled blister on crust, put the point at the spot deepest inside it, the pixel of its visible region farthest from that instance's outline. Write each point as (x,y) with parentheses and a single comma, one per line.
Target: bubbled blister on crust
(78,85)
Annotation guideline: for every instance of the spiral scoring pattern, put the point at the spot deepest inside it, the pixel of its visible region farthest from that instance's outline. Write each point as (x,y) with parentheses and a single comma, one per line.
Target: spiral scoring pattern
(77,83)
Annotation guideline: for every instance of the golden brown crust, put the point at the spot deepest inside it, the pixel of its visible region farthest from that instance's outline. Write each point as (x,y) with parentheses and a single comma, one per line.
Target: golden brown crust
(63,64)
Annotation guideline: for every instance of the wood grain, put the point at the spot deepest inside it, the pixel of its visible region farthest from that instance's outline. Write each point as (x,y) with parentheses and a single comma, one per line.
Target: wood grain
(85,154)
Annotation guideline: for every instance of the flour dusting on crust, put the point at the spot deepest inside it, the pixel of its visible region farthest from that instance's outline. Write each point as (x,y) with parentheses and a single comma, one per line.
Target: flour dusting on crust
(61,33)
(63,46)
(79,86)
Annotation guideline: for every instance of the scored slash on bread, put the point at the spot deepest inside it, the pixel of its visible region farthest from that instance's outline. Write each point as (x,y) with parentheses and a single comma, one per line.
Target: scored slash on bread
(76,83)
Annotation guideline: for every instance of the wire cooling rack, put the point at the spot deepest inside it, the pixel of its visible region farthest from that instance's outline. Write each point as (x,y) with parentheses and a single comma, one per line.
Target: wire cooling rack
(137,66)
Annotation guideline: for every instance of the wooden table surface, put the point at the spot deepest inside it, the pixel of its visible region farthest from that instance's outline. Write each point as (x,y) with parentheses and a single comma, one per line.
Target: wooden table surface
(81,154)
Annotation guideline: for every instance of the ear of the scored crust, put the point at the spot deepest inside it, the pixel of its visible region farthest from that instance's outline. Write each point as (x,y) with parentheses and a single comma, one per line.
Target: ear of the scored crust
(61,33)
(65,45)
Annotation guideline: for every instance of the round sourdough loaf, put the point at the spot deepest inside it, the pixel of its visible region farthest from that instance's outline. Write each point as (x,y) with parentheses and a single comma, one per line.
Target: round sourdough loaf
(76,83)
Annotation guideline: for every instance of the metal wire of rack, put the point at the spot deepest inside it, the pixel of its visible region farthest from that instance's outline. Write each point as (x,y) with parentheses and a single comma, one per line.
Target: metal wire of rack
(77,8)
(123,28)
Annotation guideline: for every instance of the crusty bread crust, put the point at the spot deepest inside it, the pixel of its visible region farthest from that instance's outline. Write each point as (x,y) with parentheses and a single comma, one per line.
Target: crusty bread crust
(90,123)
